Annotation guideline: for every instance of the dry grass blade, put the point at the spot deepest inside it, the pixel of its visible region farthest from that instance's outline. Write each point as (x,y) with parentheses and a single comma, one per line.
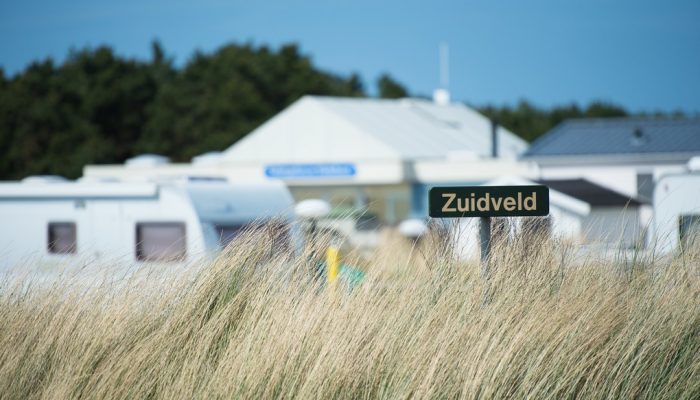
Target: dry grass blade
(254,324)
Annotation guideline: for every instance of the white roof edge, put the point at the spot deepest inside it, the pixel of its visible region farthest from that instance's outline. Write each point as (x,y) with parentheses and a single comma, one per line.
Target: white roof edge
(560,199)
(78,190)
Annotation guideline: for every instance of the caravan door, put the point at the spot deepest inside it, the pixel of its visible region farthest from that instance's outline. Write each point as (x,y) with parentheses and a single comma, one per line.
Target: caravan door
(107,238)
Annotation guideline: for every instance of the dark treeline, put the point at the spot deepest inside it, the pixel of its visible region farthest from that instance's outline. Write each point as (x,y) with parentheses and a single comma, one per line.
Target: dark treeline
(98,107)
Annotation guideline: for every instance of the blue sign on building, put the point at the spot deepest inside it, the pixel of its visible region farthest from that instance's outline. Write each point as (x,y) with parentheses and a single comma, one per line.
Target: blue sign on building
(324,170)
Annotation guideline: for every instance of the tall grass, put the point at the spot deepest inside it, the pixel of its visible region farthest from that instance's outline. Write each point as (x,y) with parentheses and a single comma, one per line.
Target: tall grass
(420,325)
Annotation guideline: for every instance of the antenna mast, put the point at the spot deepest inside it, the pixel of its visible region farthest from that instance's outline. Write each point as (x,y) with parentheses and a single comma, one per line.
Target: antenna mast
(441,95)
(444,66)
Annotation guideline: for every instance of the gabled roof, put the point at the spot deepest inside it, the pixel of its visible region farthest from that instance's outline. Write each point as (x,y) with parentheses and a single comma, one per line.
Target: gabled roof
(591,193)
(624,137)
(335,128)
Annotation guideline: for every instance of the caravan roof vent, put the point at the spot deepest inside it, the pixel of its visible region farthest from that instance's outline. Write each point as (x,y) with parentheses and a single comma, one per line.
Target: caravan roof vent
(694,164)
(44,179)
(210,158)
(147,160)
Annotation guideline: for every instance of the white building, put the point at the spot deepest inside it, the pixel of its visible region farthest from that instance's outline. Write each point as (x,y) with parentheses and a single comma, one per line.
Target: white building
(357,153)
(627,155)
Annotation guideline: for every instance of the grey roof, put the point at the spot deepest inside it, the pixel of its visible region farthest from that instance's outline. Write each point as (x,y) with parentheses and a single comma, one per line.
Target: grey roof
(619,136)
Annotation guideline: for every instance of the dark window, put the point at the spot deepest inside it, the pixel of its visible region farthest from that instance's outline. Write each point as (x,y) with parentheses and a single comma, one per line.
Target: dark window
(62,238)
(227,233)
(689,230)
(367,222)
(161,241)
(278,231)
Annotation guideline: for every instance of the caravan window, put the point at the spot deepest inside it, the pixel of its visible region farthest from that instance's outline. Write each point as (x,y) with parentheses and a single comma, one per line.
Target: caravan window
(227,233)
(367,222)
(278,230)
(160,241)
(62,238)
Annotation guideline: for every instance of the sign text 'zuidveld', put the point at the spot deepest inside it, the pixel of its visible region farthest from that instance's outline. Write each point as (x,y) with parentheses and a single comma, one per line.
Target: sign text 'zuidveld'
(488,201)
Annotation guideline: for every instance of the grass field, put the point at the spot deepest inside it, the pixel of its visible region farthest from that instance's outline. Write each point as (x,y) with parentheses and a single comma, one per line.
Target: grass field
(420,325)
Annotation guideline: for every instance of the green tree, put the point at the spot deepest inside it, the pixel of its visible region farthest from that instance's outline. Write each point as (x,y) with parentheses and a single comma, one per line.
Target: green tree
(390,89)
(216,99)
(98,107)
(91,109)
(531,122)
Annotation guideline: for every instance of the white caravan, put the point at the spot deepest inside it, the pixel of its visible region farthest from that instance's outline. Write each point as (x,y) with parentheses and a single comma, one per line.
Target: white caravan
(46,222)
(677,211)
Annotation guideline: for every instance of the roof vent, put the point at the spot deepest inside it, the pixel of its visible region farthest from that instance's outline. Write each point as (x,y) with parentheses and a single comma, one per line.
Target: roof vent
(37,179)
(638,137)
(147,160)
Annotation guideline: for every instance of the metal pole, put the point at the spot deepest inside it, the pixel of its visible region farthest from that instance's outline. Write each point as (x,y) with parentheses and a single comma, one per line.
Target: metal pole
(485,241)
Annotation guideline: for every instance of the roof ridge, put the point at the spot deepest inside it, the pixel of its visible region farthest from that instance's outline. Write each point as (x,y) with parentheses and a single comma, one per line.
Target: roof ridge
(634,118)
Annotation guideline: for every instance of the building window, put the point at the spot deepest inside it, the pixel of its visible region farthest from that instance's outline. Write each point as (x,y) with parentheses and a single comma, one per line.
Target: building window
(689,230)
(645,187)
(62,238)
(161,241)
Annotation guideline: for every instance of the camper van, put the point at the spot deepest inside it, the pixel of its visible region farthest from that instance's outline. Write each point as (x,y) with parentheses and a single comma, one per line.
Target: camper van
(48,221)
(677,211)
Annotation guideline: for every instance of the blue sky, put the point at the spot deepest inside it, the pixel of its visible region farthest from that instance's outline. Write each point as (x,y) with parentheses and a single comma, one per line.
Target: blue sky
(644,55)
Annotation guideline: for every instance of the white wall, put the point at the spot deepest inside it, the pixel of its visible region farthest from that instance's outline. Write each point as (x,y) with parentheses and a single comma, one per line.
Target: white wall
(621,178)
(465,231)
(366,172)
(613,226)
(478,169)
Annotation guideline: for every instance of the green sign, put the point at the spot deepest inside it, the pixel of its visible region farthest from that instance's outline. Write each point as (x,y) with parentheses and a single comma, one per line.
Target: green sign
(488,201)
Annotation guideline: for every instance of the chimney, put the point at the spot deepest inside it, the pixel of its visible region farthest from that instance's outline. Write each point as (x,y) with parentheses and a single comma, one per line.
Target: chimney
(494,138)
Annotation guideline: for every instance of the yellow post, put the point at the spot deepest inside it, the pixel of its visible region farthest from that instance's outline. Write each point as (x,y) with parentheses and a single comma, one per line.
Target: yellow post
(332,264)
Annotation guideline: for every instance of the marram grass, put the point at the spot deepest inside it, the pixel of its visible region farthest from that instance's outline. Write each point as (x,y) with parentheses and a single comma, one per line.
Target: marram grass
(420,325)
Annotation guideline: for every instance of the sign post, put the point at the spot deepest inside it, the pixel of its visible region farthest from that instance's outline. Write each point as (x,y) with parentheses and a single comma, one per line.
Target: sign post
(485,202)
